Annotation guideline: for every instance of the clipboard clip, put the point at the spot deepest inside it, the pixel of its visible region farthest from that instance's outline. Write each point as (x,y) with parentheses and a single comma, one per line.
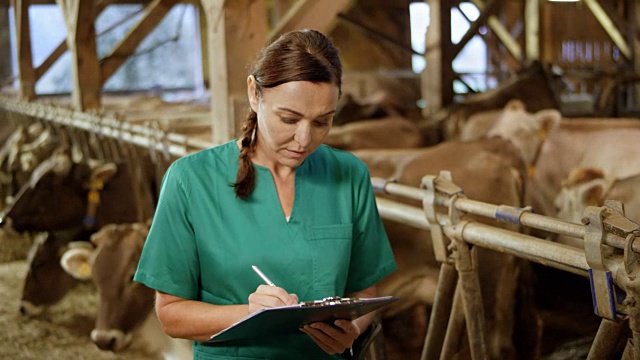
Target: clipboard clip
(332,300)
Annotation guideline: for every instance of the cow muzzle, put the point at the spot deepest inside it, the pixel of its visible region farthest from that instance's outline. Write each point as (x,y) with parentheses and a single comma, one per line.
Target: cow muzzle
(27,308)
(112,339)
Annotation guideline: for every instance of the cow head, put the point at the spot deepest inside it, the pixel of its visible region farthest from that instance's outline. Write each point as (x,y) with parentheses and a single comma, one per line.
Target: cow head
(46,282)
(56,196)
(124,304)
(583,187)
(525,130)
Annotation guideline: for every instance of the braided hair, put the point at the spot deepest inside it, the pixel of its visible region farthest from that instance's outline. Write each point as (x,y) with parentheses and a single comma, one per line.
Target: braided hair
(301,55)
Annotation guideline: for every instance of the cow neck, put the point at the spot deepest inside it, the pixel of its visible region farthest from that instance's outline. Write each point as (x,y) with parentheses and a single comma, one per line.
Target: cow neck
(542,135)
(74,233)
(93,201)
(37,174)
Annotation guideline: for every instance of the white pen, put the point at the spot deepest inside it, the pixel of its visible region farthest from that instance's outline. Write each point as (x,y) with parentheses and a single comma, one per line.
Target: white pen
(263,276)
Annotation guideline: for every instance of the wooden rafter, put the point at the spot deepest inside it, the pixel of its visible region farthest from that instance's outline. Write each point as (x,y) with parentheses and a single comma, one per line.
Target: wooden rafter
(154,13)
(81,40)
(319,15)
(501,32)
(609,27)
(532,29)
(26,72)
(485,13)
(62,47)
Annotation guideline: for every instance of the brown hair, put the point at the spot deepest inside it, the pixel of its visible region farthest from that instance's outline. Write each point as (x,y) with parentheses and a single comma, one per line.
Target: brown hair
(302,55)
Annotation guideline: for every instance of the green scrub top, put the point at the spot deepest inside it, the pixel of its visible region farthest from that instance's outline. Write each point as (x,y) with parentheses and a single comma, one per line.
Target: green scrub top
(203,240)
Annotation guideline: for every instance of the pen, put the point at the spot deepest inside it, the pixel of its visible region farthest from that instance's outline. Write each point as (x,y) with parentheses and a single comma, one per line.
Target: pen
(263,276)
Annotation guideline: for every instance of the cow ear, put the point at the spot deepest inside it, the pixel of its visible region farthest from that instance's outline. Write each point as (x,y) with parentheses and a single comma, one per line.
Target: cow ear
(593,193)
(62,164)
(549,120)
(104,172)
(76,262)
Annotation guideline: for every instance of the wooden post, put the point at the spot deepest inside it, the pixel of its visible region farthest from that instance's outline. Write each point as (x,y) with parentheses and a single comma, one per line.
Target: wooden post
(154,13)
(532,29)
(81,41)
(204,54)
(236,31)
(318,15)
(6,68)
(26,72)
(437,77)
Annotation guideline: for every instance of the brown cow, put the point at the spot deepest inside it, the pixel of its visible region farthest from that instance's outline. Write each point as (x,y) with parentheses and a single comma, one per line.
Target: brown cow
(375,106)
(58,181)
(125,306)
(36,295)
(535,85)
(608,144)
(488,170)
(386,133)
(591,187)
(57,200)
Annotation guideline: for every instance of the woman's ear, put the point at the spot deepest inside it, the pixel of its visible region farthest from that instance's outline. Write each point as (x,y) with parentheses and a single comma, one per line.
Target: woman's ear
(251,93)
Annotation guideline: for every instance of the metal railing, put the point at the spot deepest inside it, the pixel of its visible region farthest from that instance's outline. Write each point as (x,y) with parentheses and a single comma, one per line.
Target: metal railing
(610,258)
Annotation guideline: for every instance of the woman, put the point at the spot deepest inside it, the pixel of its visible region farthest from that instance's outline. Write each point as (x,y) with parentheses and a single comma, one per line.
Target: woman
(302,212)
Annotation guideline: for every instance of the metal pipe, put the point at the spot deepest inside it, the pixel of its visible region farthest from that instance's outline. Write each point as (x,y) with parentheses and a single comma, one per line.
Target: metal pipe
(440,312)
(455,329)
(103,124)
(515,243)
(606,340)
(473,312)
(545,252)
(487,210)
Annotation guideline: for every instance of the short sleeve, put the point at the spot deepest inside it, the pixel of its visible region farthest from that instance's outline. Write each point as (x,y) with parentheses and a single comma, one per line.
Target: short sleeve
(169,261)
(372,257)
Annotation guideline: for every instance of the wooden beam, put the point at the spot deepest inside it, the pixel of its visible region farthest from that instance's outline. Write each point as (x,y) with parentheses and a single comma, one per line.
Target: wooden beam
(81,41)
(475,26)
(635,14)
(532,29)
(26,72)
(154,13)
(62,48)
(609,27)
(319,15)
(204,41)
(236,31)
(437,77)
(6,65)
(501,32)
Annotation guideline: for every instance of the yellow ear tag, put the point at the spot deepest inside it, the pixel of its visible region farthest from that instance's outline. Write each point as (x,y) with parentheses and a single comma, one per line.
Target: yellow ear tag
(93,196)
(84,270)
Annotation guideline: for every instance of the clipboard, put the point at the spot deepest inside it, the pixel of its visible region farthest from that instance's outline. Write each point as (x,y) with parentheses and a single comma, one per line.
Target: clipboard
(288,319)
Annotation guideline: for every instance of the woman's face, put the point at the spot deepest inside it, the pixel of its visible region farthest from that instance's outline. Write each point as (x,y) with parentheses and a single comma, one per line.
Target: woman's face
(293,120)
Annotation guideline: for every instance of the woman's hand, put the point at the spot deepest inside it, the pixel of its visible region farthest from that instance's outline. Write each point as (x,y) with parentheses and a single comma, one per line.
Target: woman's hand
(333,339)
(270,296)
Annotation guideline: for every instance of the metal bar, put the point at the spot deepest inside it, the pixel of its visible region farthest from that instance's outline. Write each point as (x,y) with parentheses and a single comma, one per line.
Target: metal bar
(489,210)
(107,125)
(523,245)
(472,300)
(547,253)
(440,312)
(454,330)
(606,340)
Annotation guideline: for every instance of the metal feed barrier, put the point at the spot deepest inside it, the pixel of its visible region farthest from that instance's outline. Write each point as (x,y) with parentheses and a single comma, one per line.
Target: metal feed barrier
(104,124)
(610,258)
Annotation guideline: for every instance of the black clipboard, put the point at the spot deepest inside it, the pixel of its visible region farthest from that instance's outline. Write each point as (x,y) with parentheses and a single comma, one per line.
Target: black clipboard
(288,319)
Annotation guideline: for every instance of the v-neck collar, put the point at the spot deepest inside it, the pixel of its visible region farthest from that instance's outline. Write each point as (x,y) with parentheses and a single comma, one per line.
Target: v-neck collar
(299,176)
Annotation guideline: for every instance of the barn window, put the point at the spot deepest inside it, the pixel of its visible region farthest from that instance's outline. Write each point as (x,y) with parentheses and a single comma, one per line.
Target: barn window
(472,71)
(152,66)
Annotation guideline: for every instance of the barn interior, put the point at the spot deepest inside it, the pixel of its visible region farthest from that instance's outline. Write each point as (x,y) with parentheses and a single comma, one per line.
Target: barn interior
(145,82)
